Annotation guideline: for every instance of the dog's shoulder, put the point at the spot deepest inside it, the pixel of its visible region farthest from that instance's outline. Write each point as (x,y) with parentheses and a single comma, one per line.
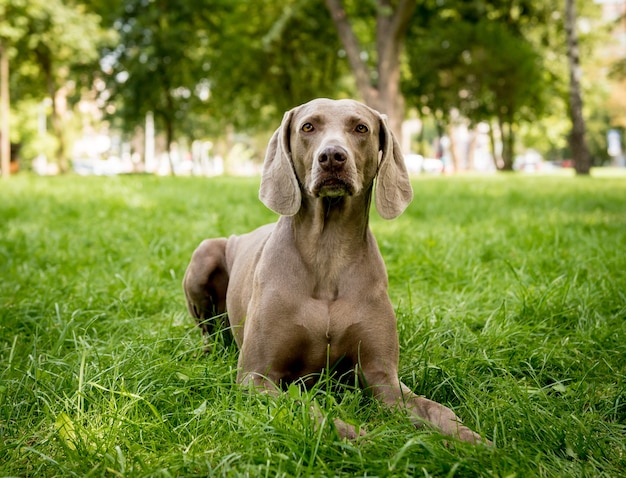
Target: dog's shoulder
(246,246)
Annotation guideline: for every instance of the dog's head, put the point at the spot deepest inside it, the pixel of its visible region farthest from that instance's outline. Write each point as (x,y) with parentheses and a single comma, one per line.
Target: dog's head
(328,148)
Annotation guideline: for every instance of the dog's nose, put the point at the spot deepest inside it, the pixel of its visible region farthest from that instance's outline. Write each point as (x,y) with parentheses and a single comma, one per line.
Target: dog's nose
(332,157)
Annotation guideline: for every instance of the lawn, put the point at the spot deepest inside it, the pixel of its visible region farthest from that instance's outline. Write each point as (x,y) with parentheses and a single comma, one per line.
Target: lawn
(510,293)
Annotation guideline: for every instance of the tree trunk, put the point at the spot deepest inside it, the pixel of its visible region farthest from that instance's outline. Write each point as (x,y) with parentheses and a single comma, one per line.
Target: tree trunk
(56,118)
(380,91)
(508,144)
(497,158)
(5,140)
(580,151)
(56,121)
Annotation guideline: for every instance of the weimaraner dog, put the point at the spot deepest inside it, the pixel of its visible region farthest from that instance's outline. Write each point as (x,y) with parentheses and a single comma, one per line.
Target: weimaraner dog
(311,290)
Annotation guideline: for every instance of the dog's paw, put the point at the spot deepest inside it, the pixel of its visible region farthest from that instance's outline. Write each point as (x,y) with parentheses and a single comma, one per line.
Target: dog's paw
(466,434)
(347,431)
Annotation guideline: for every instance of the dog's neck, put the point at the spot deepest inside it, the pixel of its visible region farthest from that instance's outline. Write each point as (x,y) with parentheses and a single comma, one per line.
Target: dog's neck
(330,234)
(342,220)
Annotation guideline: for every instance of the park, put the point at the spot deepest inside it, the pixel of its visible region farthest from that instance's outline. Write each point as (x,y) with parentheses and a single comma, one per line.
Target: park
(509,293)
(508,284)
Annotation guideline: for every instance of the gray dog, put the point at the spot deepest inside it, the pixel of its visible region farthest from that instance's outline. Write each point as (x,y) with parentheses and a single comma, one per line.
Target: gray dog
(311,289)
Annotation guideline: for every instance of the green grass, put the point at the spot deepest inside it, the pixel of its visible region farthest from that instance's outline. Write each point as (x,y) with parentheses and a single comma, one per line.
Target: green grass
(511,300)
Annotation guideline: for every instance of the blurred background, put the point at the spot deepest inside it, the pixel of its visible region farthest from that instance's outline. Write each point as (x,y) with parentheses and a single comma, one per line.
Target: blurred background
(196,87)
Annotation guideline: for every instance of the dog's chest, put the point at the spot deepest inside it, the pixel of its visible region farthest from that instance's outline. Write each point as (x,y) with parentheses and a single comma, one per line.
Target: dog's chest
(333,308)
(325,329)
(319,288)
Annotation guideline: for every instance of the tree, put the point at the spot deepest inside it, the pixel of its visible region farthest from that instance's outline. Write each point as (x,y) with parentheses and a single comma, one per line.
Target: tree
(5,143)
(379,86)
(271,56)
(580,151)
(9,32)
(205,67)
(61,38)
(475,58)
(52,40)
(508,79)
(159,65)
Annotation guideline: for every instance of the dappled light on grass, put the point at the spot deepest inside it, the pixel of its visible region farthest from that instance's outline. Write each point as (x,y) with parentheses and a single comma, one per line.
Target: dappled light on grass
(509,292)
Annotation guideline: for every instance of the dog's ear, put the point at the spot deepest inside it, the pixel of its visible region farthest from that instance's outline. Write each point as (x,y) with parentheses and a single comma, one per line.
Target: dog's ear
(280,190)
(393,187)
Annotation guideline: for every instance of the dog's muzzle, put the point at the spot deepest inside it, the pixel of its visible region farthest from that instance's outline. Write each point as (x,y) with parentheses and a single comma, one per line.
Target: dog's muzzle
(331,176)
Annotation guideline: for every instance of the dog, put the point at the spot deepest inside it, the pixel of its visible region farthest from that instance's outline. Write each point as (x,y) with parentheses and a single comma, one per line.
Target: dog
(311,289)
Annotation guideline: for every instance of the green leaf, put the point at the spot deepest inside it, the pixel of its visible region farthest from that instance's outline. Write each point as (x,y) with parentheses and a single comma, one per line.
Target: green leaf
(66,430)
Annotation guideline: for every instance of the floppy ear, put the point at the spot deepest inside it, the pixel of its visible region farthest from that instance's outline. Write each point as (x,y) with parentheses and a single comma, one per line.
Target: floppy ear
(280,190)
(393,188)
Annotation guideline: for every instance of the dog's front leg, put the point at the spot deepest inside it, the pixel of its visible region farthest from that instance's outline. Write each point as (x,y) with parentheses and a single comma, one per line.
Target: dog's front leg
(421,408)
(422,411)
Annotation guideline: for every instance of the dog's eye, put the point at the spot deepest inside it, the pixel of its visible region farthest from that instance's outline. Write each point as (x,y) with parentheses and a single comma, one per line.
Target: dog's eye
(361,128)
(307,127)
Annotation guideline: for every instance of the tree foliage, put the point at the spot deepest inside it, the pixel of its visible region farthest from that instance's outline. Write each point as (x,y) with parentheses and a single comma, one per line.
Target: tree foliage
(272,56)
(206,66)
(475,59)
(377,73)
(160,63)
(53,46)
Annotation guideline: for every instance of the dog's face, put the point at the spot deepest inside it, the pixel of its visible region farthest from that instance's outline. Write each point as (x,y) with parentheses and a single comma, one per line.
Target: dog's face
(334,147)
